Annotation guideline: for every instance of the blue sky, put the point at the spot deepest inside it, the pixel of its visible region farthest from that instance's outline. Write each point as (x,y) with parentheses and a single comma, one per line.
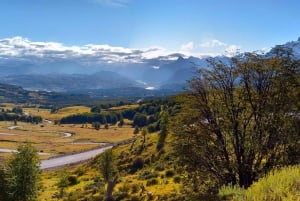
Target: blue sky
(193,27)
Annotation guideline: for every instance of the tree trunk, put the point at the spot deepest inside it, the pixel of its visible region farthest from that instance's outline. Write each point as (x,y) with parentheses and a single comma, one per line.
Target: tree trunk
(109,190)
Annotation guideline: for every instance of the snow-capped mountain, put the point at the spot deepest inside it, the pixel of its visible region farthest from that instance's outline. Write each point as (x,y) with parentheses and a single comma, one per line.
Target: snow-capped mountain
(54,67)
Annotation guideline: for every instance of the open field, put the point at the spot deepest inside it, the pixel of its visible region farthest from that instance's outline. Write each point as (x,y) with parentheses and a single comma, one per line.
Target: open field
(63,112)
(52,140)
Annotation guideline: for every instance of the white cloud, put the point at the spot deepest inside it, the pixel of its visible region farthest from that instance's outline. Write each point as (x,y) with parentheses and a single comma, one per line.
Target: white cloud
(212,43)
(19,48)
(23,48)
(187,47)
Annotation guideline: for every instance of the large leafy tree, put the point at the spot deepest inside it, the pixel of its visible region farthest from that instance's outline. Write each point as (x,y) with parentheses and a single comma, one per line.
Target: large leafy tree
(23,173)
(238,120)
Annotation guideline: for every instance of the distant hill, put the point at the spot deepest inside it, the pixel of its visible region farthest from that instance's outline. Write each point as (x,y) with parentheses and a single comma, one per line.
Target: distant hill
(14,94)
(93,76)
(70,82)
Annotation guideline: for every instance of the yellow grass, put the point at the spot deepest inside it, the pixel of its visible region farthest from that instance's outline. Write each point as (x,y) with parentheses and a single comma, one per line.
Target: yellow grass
(165,186)
(52,138)
(46,113)
(124,107)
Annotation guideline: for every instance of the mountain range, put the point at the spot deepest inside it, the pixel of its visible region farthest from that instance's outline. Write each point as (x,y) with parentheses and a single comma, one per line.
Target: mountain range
(34,67)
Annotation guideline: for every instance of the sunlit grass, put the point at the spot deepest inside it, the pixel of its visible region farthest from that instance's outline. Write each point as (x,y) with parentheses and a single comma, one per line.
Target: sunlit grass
(63,112)
(278,185)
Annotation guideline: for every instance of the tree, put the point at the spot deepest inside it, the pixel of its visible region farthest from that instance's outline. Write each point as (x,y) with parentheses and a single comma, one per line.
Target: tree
(164,121)
(96,109)
(63,182)
(96,125)
(23,174)
(121,123)
(144,134)
(136,130)
(108,170)
(140,120)
(237,120)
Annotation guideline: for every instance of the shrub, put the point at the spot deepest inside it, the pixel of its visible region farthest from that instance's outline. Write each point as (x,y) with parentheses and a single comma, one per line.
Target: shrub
(159,167)
(152,182)
(148,175)
(170,173)
(136,165)
(278,185)
(135,198)
(135,188)
(73,180)
(177,179)
(80,171)
(283,185)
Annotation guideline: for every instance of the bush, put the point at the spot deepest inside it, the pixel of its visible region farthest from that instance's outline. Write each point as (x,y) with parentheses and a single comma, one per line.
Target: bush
(135,198)
(136,165)
(177,179)
(73,180)
(152,182)
(80,171)
(283,185)
(159,167)
(135,188)
(170,173)
(148,175)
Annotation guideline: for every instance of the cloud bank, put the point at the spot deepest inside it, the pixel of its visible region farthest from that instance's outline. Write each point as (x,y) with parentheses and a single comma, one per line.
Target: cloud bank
(24,49)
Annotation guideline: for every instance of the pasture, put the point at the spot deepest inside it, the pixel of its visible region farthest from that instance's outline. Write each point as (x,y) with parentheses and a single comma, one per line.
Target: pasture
(52,139)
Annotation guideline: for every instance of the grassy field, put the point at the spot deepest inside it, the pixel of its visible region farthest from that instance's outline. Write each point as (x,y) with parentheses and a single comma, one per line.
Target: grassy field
(63,112)
(156,181)
(53,140)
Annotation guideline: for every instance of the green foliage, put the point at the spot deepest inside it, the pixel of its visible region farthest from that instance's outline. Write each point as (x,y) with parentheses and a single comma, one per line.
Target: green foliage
(96,125)
(170,173)
(7,116)
(17,110)
(107,165)
(164,121)
(231,192)
(72,180)
(104,117)
(63,182)
(177,179)
(3,185)
(23,174)
(145,175)
(136,130)
(96,109)
(152,182)
(139,120)
(281,185)
(137,164)
(238,121)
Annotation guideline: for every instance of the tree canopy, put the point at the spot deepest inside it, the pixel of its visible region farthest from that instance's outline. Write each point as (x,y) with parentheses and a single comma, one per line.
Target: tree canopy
(22,174)
(239,120)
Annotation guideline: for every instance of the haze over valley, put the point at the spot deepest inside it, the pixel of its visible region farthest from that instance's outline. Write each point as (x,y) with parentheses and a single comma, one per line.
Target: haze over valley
(95,69)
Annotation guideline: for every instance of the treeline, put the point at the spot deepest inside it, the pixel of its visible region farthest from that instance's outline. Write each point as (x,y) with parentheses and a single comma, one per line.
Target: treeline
(146,114)
(103,118)
(16,114)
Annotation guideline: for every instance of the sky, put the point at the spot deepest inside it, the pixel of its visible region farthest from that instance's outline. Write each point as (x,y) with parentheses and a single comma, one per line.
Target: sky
(191,27)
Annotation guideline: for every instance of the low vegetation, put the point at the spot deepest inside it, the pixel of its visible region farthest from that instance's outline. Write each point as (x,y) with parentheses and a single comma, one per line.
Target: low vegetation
(282,184)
